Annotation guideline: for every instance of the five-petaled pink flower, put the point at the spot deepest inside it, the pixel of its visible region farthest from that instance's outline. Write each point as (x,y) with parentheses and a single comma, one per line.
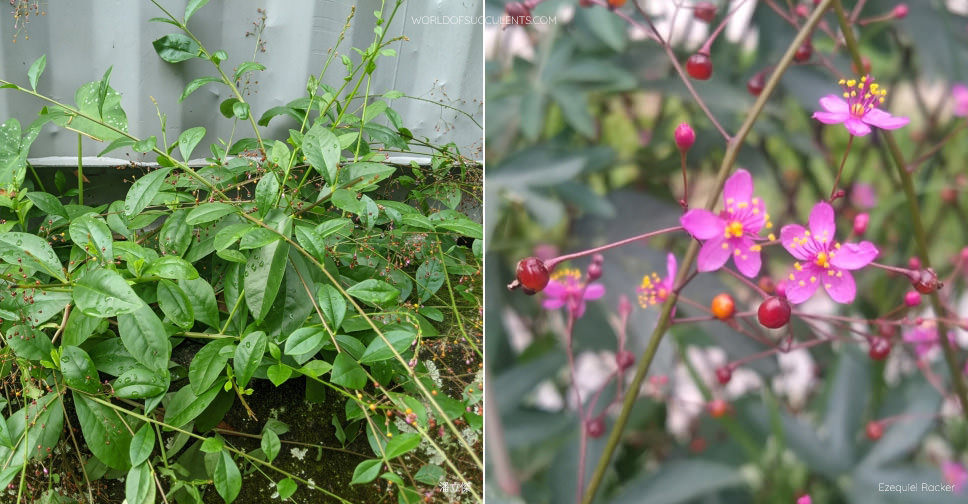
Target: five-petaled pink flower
(655,290)
(954,474)
(857,109)
(960,94)
(826,261)
(732,232)
(567,289)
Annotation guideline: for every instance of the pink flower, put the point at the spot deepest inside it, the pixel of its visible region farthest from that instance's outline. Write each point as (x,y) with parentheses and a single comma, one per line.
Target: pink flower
(857,110)
(960,93)
(655,290)
(924,337)
(827,262)
(566,289)
(804,499)
(732,231)
(954,474)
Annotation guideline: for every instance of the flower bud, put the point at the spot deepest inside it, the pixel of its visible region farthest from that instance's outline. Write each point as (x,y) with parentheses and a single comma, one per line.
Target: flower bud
(595,268)
(900,11)
(860,223)
(912,298)
(685,137)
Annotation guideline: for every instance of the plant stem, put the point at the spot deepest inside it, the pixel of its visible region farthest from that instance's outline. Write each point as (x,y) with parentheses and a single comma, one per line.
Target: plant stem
(732,151)
(80,170)
(840,171)
(920,238)
(551,263)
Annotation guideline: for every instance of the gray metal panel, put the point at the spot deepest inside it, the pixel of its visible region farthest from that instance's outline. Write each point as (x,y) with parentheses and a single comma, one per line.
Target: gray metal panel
(442,62)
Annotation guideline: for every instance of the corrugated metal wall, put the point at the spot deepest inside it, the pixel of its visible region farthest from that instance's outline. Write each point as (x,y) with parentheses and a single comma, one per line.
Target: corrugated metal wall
(441,62)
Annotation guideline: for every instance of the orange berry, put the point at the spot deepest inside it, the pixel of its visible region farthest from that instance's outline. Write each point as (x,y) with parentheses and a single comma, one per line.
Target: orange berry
(718,408)
(723,306)
(616,3)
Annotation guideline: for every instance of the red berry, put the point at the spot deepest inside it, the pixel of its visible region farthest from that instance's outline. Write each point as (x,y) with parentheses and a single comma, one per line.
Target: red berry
(724,374)
(803,52)
(616,3)
(699,66)
(912,298)
(684,136)
(925,281)
(756,84)
(624,360)
(595,427)
(723,306)
(874,430)
(774,312)
(718,408)
(532,275)
(704,11)
(880,348)
(518,12)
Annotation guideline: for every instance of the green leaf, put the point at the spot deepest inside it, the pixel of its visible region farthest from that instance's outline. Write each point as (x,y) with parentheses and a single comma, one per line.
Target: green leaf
(265,193)
(115,144)
(264,270)
(364,174)
(36,69)
(176,235)
(143,191)
(139,486)
(208,212)
(104,293)
(47,203)
(92,235)
(142,444)
(278,373)
(374,291)
(188,140)
(227,106)
(304,339)
(366,471)
(463,226)
(208,364)
(401,444)
(186,405)
(29,343)
(347,372)
(378,350)
(145,145)
(322,150)
(172,267)
(315,368)
(227,478)
(174,303)
(248,66)
(144,336)
(79,327)
(332,304)
(679,482)
(240,110)
(175,48)
(248,356)
(30,251)
(286,487)
(279,154)
(78,369)
(104,432)
(139,382)
(100,101)
(270,444)
(202,297)
(192,7)
(429,278)
(192,87)
(212,445)
(430,474)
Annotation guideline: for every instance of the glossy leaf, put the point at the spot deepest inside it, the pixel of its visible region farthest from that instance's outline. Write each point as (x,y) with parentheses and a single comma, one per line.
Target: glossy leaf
(208,364)
(366,471)
(248,356)
(143,191)
(139,382)
(202,297)
(193,86)
(139,486)
(347,372)
(186,405)
(266,191)
(175,48)
(402,443)
(400,340)
(78,369)
(35,71)
(79,327)
(208,212)
(374,291)
(92,235)
(322,149)
(263,272)
(104,293)
(227,478)
(172,267)
(142,444)
(29,343)
(176,234)
(270,444)
(192,8)
(429,278)
(188,140)
(286,487)
(144,336)
(48,203)
(332,304)
(32,252)
(104,432)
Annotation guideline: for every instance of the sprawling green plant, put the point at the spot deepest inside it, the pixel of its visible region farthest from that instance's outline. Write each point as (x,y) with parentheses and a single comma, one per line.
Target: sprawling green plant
(131,329)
